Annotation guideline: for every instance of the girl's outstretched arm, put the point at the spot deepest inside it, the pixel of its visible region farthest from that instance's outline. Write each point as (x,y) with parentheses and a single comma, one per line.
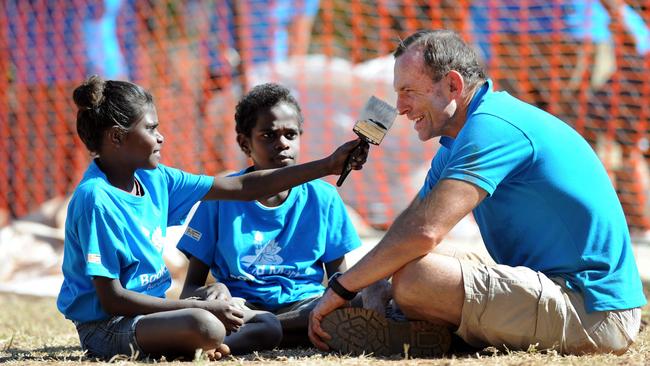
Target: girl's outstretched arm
(263,183)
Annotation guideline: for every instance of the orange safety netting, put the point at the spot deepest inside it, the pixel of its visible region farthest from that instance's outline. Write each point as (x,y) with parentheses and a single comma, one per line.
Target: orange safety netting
(584,61)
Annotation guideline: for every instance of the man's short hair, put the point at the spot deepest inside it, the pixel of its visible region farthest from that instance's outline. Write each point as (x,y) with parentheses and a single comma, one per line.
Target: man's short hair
(443,51)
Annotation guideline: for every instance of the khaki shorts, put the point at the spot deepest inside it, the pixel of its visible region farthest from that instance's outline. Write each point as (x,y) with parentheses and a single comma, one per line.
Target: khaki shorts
(516,307)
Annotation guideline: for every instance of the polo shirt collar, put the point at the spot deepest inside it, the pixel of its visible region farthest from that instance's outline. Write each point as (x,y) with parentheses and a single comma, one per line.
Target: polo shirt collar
(486,88)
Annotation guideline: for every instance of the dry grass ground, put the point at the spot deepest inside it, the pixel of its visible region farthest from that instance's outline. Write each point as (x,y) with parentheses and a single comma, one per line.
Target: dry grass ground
(33,332)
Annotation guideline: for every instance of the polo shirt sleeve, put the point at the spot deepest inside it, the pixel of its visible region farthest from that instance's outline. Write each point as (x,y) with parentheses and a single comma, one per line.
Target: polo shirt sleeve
(200,237)
(433,175)
(487,152)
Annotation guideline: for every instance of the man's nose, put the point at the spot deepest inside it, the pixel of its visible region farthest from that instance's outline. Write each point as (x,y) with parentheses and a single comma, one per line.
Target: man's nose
(402,108)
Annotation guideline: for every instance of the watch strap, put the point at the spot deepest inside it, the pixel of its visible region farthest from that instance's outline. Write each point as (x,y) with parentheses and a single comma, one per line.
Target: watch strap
(338,289)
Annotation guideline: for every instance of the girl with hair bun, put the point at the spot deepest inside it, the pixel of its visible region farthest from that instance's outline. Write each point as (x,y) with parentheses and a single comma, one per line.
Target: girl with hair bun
(114,274)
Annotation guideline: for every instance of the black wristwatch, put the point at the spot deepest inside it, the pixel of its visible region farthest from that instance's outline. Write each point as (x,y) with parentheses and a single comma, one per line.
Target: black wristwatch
(338,289)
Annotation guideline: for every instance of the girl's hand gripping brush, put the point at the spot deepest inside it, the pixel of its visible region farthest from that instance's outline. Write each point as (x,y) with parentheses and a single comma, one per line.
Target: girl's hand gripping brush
(376,119)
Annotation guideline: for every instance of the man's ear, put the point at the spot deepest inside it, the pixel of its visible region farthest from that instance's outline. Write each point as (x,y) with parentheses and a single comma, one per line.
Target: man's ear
(456,84)
(244,144)
(116,135)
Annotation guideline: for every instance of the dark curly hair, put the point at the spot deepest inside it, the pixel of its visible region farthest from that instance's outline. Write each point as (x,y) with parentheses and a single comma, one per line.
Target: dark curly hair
(261,98)
(105,104)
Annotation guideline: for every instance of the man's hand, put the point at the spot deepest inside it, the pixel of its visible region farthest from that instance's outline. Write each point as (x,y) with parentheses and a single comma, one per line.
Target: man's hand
(328,303)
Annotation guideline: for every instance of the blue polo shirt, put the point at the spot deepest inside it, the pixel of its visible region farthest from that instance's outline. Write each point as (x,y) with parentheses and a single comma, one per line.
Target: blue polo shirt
(550,205)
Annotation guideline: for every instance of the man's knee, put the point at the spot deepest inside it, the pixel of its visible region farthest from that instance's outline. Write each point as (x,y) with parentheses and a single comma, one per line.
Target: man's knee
(430,288)
(431,271)
(404,281)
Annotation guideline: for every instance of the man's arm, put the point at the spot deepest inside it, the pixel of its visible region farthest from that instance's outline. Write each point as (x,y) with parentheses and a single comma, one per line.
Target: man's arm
(415,233)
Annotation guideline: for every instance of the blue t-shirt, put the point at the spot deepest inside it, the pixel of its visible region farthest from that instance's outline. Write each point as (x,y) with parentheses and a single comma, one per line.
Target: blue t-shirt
(272,256)
(550,205)
(111,233)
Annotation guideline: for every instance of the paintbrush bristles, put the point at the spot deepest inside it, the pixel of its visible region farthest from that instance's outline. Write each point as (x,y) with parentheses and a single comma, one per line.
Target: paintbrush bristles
(379,111)
(376,118)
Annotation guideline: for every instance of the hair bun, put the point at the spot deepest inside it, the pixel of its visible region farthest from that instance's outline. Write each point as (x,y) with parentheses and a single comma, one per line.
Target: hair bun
(90,94)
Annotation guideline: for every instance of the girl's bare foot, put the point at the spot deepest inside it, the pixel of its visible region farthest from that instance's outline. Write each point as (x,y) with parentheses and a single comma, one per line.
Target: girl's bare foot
(224,349)
(216,354)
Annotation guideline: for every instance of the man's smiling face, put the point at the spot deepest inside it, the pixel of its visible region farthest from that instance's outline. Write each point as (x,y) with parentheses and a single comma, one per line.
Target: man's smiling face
(423,101)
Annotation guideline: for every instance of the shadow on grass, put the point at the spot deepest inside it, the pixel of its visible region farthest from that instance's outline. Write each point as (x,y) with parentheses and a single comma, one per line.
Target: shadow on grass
(76,354)
(459,349)
(60,353)
(64,354)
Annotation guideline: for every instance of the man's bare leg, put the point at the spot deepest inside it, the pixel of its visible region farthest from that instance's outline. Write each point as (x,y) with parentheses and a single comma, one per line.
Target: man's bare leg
(431,289)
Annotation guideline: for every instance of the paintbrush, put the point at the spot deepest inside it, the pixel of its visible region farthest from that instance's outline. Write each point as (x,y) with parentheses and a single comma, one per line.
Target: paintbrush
(376,119)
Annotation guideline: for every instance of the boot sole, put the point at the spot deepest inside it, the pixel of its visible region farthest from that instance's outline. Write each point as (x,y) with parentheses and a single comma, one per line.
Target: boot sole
(357,331)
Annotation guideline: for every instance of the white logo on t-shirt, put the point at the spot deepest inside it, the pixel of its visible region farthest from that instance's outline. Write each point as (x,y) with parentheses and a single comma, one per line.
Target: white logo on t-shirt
(266,260)
(157,238)
(264,254)
(151,279)
(258,237)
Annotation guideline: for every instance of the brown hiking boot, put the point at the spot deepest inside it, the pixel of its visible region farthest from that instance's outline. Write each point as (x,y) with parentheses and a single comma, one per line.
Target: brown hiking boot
(357,331)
